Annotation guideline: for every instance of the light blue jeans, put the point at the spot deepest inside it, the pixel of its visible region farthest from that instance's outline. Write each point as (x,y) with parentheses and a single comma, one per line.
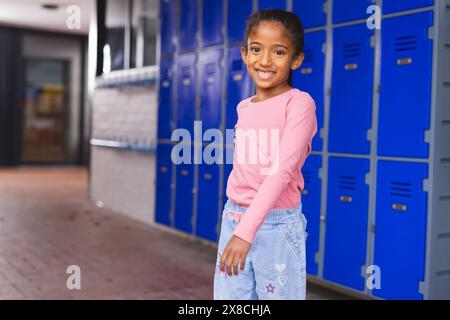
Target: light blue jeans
(275,267)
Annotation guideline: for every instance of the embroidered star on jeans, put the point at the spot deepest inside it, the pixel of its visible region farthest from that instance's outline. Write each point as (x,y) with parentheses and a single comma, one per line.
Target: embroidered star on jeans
(270,288)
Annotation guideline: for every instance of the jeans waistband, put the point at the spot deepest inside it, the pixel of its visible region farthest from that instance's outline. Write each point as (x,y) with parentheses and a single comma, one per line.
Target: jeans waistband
(274,216)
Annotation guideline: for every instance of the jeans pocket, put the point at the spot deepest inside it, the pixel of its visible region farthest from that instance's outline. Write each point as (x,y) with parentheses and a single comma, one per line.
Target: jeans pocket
(295,235)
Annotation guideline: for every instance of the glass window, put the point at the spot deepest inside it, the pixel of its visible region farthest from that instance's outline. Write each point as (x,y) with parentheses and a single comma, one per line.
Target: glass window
(143,32)
(115,23)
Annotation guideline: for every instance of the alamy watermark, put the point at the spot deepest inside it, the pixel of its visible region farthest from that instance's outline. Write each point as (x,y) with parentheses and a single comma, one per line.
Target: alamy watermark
(74,280)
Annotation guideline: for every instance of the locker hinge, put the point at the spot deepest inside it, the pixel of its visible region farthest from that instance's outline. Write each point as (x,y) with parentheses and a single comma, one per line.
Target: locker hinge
(329,91)
(373,228)
(317,257)
(363,271)
(431,33)
(222,63)
(378,88)
(325,7)
(369,135)
(367,178)
(224,30)
(320,173)
(422,287)
(426,185)
(427,136)
(323,218)
(324,48)
(194,191)
(372,41)
(322,133)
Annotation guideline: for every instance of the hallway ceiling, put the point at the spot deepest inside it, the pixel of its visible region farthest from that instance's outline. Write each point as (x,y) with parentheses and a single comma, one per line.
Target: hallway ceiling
(30,14)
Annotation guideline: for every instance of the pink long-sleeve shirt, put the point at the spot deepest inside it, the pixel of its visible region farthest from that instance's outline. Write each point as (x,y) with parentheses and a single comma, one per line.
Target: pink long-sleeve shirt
(272,140)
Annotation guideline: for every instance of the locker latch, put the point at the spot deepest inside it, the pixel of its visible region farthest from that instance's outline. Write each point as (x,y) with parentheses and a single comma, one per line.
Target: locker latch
(404,61)
(399,207)
(351,66)
(306,71)
(237,77)
(346,198)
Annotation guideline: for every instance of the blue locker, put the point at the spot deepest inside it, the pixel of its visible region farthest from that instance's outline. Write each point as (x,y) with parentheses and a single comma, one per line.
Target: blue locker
(348,10)
(352,89)
(239,85)
(165,106)
(211,88)
(168,25)
(186,92)
(310,12)
(188,24)
(310,77)
(163,184)
(208,201)
(311,209)
(400,234)
(212,22)
(238,12)
(405,96)
(184,197)
(271,4)
(346,228)
(390,6)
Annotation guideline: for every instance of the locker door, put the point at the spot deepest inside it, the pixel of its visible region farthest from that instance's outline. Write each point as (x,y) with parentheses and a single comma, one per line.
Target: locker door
(208,201)
(400,234)
(310,77)
(310,12)
(390,6)
(167,26)
(188,24)
(184,197)
(352,88)
(346,228)
(238,85)
(228,167)
(212,22)
(211,89)
(405,95)
(311,209)
(165,110)
(163,184)
(271,4)
(348,10)
(238,12)
(186,92)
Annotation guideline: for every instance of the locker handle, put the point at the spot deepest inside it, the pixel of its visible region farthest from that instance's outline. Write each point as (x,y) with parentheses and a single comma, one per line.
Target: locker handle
(210,80)
(399,207)
(306,71)
(184,173)
(207,176)
(404,61)
(237,77)
(351,66)
(346,198)
(186,82)
(165,84)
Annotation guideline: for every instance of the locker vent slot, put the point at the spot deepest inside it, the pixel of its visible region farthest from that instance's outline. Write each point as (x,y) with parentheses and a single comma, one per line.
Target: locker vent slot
(236,65)
(446,122)
(210,68)
(405,43)
(347,183)
(165,73)
(445,160)
(444,236)
(307,176)
(444,198)
(400,189)
(443,273)
(309,55)
(352,50)
(186,71)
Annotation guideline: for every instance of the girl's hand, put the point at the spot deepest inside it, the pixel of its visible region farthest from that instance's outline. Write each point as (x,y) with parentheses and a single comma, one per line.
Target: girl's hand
(235,250)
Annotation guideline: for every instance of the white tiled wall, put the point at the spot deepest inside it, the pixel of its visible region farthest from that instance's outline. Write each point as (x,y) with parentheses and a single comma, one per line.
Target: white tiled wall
(124,180)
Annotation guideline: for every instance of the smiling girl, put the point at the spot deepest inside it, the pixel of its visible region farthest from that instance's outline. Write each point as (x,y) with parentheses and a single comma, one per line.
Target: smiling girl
(261,252)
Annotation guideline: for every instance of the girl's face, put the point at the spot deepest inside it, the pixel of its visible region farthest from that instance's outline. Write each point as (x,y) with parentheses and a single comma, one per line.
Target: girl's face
(270,56)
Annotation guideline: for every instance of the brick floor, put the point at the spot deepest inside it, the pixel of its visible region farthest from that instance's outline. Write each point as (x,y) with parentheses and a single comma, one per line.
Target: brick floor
(48,224)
